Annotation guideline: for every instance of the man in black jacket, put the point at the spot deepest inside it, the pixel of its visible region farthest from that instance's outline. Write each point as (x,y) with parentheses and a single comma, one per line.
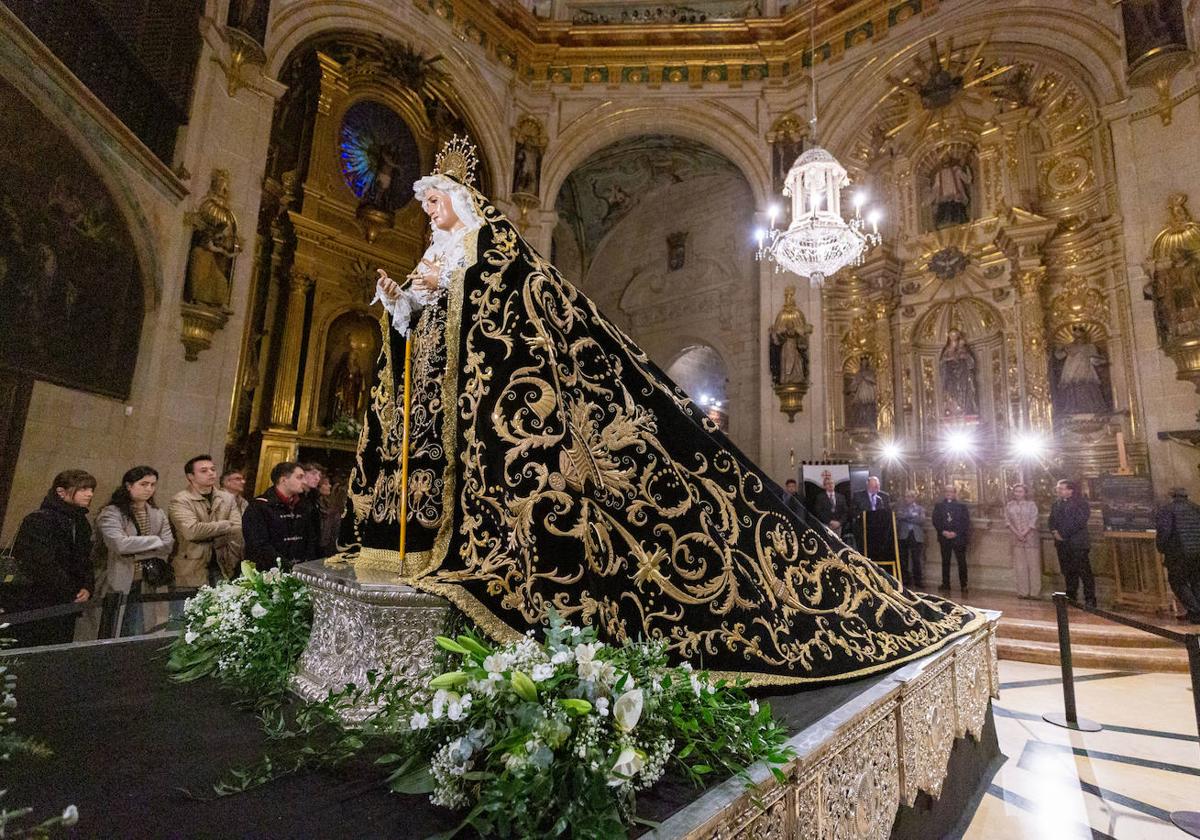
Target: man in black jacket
(1178,536)
(1069,523)
(791,497)
(952,521)
(277,527)
(830,508)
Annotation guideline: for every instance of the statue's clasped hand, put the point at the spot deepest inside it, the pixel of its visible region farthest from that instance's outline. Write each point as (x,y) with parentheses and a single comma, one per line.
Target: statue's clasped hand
(424,278)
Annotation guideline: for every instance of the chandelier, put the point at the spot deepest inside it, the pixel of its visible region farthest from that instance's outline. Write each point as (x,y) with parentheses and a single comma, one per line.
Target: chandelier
(819,241)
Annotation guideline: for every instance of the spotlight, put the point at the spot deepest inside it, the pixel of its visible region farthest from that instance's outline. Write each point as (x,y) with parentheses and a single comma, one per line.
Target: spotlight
(891,451)
(1029,447)
(704,399)
(959,442)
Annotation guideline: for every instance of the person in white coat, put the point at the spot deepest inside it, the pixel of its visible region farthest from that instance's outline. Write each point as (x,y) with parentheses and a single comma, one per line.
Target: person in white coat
(138,541)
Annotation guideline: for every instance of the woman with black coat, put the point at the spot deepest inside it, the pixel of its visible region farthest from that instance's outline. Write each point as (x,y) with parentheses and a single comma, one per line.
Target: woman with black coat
(53,554)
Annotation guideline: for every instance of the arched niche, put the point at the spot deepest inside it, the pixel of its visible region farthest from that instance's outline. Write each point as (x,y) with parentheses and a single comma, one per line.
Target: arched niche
(351,345)
(457,99)
(703,375)
(71,289)
(961,382)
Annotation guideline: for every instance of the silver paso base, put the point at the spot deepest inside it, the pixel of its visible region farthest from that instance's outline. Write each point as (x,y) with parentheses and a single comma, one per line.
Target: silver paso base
(364,621)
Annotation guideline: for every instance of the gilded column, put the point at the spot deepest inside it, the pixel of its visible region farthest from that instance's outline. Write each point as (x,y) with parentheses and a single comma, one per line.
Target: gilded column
(1029,285)
(283,408)
(1022,238)
(886,417)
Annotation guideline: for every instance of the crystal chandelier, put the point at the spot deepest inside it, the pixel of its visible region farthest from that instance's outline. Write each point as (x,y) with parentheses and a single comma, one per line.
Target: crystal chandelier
(819,241)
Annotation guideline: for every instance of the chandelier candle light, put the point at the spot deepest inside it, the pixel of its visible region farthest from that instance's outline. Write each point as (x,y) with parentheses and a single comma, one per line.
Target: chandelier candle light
(819,241)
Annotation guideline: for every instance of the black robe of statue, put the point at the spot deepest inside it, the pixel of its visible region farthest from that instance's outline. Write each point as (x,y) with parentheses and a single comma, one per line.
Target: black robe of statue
(554,465)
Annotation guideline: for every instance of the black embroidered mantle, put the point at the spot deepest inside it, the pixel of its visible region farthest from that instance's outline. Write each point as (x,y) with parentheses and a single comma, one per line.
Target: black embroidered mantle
(573,474)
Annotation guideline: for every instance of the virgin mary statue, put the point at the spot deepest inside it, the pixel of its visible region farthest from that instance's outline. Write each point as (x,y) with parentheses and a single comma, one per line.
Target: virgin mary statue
(551,464)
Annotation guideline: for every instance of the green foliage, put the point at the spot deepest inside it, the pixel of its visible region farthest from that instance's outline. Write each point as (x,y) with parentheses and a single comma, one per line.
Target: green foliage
(249,633)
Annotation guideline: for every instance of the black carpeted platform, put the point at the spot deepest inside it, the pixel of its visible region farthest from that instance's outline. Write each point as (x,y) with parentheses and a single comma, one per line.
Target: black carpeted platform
(128,743)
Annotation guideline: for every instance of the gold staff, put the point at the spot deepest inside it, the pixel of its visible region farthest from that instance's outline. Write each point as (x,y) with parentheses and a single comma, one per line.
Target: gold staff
(408,343)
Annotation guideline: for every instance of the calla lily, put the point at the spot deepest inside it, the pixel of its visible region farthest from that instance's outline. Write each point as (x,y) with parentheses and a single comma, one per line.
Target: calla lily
(628,710)
(573,704)
(451,645)
(524,686)
(448,680)
(627,765)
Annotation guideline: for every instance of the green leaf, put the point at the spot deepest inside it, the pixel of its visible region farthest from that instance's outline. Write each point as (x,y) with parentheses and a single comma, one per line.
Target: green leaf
(575,705)
(417,780)
(701,769)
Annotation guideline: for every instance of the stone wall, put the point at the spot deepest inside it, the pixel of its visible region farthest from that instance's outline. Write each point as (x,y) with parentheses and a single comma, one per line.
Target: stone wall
(176,408)
(712,300)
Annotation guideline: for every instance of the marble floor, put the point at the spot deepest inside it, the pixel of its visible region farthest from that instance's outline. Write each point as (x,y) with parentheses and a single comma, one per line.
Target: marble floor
(1121,783)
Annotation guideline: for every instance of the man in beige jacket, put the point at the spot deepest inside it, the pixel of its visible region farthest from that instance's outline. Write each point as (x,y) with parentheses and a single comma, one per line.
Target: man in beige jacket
(204,519)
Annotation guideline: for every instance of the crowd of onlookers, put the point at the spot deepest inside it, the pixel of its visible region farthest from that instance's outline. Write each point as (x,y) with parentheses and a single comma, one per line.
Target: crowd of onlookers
(136,547)
(1177,534)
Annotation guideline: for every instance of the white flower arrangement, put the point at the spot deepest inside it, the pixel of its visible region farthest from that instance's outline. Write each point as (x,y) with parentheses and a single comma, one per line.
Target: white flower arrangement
(540,739)
(248,632)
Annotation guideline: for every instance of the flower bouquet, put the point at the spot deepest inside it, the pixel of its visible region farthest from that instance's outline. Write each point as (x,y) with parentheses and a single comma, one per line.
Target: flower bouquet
(248,632)
(537,739)
(345,428)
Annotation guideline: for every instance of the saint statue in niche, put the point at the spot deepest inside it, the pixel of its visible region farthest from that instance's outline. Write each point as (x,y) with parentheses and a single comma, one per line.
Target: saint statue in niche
(215,246)
(862,391)
(1151,25)
(349,385)
(250,16)
(1080,388)
(527,168)
(950,191)
(960,393)
(789,343)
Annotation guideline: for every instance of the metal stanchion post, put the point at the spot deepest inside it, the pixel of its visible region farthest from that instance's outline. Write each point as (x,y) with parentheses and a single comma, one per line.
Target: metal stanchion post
(1189,821)
(1068,719)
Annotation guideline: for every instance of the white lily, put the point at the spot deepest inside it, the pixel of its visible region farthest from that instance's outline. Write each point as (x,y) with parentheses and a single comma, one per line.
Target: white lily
(627,711)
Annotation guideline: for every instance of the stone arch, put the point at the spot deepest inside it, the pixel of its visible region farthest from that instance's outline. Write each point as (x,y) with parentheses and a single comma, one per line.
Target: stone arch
(701,370)
(292,27)
(611,123)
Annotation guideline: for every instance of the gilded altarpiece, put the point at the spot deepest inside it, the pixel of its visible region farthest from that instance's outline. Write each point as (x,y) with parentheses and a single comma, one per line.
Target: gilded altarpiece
(997,311)
(369,115)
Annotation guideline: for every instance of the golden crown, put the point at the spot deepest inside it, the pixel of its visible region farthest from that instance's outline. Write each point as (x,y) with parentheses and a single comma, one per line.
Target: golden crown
(457,159)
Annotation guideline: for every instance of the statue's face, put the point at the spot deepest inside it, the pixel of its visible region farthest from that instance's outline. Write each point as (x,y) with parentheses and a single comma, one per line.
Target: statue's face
(440,210)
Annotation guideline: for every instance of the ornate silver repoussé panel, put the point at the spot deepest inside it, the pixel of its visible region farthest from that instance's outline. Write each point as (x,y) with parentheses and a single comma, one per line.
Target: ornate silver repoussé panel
(363,621)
